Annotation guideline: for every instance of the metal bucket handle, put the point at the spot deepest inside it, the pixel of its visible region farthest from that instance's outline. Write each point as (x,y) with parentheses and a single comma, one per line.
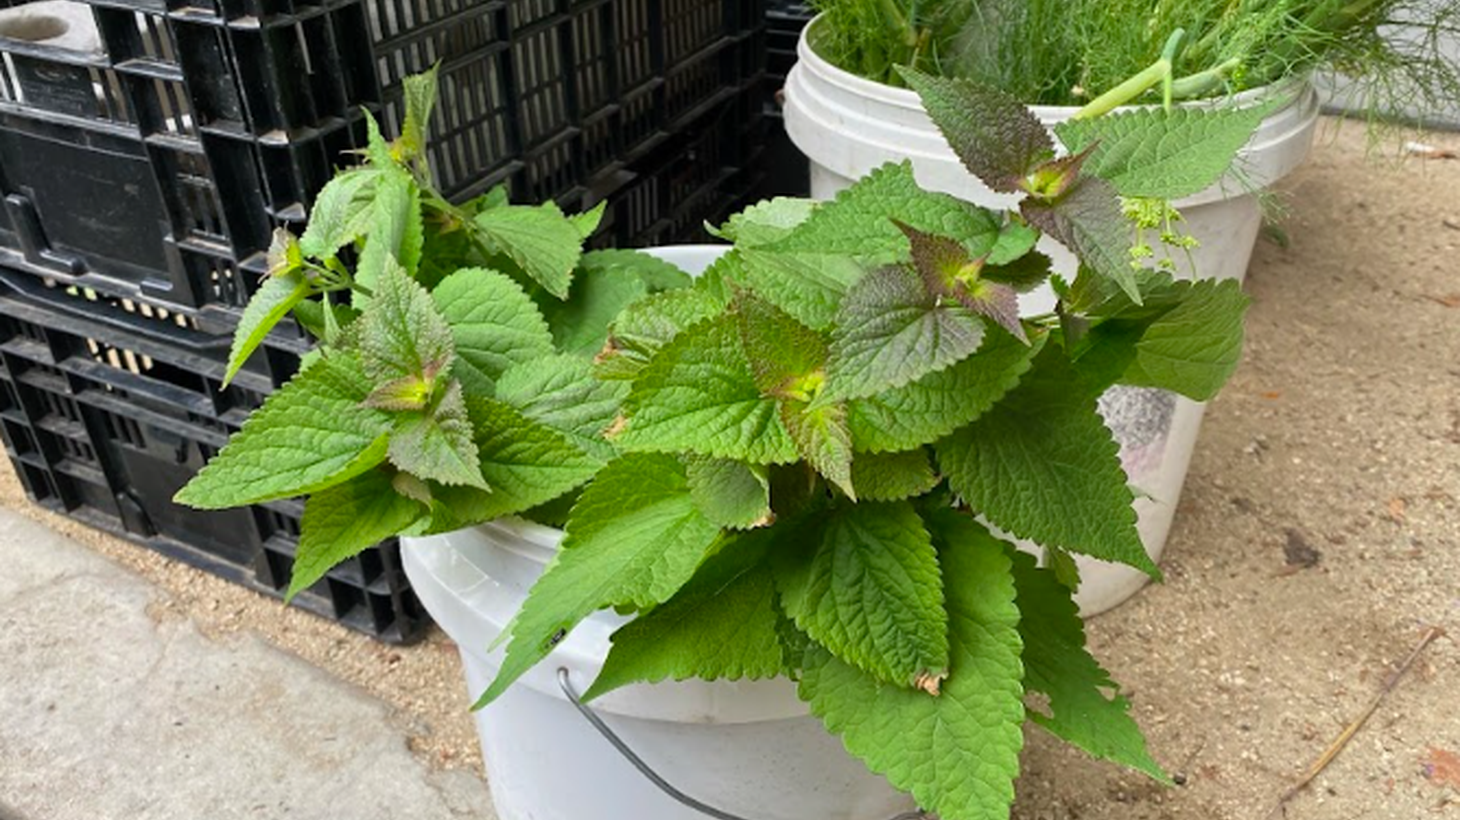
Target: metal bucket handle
(652,776)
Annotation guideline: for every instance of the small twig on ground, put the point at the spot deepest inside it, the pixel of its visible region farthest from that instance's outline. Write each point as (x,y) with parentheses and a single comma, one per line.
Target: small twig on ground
(1353,728)
(1423,151)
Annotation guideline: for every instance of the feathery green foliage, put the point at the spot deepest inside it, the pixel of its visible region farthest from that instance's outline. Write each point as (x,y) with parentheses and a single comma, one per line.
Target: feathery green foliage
(1066,52)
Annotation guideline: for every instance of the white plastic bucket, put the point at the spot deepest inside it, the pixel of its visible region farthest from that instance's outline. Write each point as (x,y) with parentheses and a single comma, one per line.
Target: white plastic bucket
(747,747)
(64,24)
(847,126)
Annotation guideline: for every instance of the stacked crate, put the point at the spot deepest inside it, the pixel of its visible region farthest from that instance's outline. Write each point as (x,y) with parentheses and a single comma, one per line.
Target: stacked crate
(787,172)
(148,149)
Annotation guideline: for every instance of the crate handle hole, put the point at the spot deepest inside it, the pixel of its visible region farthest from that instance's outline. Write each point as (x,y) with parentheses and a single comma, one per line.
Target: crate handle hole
(33,28)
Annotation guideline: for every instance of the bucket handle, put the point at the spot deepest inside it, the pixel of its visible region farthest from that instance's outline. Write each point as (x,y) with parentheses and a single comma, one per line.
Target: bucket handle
(652,776)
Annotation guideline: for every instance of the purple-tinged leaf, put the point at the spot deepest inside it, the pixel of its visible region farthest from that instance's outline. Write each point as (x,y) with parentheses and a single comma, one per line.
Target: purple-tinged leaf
(996,137)
(1088,221)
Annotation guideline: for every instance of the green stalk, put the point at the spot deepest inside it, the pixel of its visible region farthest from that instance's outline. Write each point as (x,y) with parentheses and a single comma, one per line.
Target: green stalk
(1133,87)
(1168,56)
(922,42)
(1148,78)
(890,9)
(1203,83)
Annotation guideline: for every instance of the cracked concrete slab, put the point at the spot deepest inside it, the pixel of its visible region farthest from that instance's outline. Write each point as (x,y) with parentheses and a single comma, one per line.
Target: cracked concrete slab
(107,713)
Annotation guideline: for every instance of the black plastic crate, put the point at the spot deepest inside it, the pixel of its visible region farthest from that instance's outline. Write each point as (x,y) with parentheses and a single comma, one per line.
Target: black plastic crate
(142,181)
(786,172)
(695,176)
(157,164)
(784,21)
(101,431)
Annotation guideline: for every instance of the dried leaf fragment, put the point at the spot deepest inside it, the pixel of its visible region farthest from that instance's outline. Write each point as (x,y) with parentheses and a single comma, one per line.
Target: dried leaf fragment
(930,682)
(1442,767)
(619,423)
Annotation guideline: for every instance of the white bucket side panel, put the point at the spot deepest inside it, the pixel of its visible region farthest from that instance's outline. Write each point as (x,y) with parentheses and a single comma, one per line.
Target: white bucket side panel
(544,762)
(749,747)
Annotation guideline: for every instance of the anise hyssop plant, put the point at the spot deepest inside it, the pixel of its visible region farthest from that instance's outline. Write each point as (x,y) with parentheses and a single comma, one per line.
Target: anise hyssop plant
(782,467)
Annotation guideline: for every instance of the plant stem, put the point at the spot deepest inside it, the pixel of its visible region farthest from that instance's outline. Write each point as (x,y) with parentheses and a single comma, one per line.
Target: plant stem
(1133,87)
(1203,83)
(1138,84)
(890,9)
(1168,56)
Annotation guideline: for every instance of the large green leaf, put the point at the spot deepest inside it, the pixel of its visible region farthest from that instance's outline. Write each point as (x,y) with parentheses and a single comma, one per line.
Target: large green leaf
(402,333)
(1196,346)
(730,493)
(767,221)
(892,476)
(654,272)
(1042,465)
(1015,240)
(891,332)
(270,303)
(313,433)
(698,396)
(560,391)
(723,625)
(997,138)
(580,324)
(525,463)
(341,521)
(1185,337)
(587,222)
(396,233)
(859,222)
(341,214)
(633,539)
(1148,152)
(939,403)
(647,325)
(1099,298)
(782,352)
(863,582)
(494,324)
(1057,665)
(957,753)
(809,286)
(436,444)
(543,242)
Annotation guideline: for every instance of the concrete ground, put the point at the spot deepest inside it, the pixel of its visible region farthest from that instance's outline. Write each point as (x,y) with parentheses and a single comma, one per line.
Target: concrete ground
(1318,537)
(107,711)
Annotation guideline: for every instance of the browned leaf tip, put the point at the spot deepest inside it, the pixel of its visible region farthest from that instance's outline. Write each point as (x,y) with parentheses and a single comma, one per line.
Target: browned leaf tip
(930,682)
(608,351)
(619,423)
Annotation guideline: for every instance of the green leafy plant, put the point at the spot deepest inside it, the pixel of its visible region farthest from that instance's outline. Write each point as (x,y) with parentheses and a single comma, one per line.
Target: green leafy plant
(787,466)
(1069,52)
